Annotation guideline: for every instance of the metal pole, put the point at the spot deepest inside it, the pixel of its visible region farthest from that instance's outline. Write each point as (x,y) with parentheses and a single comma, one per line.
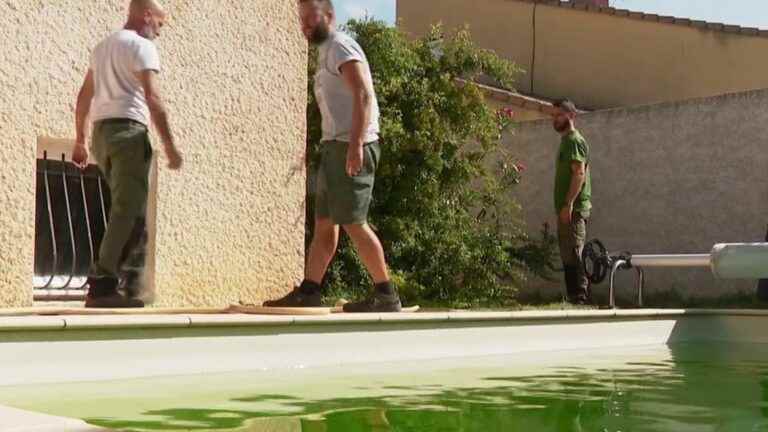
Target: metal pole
(51,225)
(612,289)
(87,223)
(697,260)
(640,285)
(69,221)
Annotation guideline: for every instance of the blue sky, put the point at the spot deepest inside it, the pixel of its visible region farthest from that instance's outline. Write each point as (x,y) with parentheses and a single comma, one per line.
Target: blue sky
(749,13)
(380,9)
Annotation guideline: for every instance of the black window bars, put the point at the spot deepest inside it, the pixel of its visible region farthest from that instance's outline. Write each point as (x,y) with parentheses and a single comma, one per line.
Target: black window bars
(69,227)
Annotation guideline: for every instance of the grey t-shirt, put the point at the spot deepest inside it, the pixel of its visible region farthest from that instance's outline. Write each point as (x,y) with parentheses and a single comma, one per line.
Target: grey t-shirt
(332,93)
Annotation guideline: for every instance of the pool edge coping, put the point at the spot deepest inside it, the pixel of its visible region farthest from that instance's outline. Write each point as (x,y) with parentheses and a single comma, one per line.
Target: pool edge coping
(191,320)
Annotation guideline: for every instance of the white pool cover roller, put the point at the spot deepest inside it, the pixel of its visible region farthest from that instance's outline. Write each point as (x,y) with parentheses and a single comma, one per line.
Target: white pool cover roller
(740,261)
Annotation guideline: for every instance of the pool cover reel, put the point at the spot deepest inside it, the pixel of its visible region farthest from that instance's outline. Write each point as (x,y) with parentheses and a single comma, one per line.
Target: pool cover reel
(727,261)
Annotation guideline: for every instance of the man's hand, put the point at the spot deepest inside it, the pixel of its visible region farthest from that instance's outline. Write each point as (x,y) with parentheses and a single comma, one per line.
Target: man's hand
(566,215)
(174,158)
(80,155)
(354,159)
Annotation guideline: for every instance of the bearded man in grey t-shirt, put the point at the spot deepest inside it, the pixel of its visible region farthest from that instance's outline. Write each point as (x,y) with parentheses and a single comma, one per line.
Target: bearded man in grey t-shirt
(350,154)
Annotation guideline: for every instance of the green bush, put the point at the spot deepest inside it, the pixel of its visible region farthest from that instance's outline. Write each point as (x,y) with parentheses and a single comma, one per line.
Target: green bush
(451,233)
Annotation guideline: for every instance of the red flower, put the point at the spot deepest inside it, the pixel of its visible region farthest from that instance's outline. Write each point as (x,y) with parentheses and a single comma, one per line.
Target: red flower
(505,113)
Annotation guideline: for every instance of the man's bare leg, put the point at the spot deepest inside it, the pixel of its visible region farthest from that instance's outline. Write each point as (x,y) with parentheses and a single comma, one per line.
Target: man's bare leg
(368,246)
(370,251)
(325,240)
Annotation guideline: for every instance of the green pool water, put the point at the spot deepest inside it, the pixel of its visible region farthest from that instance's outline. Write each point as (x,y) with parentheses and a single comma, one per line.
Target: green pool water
(655,388)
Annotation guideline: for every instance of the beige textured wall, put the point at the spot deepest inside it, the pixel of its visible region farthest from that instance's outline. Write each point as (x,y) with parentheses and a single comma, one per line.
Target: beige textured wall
(599,60)
(502,26)
(669,178)
(522,114)
(230,226)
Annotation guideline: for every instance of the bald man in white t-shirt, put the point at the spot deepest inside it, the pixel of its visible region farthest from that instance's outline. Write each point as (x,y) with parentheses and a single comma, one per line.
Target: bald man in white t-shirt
(121,96)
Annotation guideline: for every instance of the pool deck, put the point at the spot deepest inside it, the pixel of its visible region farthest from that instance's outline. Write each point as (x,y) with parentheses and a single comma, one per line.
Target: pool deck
(193,320)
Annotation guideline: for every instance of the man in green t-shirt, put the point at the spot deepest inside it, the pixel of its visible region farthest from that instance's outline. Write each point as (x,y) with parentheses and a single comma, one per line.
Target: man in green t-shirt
(573,193)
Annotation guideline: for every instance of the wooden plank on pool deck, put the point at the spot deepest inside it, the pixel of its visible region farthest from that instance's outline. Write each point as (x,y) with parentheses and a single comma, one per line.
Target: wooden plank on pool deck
(234,308)
(262,310)
(410,309)
(251,310)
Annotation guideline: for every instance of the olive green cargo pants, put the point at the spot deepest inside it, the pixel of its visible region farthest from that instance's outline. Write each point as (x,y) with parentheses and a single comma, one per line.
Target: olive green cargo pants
(123,151)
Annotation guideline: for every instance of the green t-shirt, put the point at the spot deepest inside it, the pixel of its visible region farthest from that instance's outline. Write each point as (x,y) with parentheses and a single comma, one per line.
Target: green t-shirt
(573,148)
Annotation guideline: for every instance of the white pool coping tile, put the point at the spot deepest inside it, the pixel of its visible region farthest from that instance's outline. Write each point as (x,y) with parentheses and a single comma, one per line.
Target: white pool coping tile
(334,319)
(82,322)
(237,320)
(591,314)
(32,323)
(125,321)
(540,315)
(411,317)
(479,316)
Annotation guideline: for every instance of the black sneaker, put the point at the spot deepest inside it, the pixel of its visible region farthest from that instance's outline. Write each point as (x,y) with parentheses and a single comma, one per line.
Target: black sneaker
(376,302)
(297,298)
(102,293)
(114,301)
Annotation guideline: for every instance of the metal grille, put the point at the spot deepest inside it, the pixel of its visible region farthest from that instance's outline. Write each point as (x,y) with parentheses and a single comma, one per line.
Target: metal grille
(71,214)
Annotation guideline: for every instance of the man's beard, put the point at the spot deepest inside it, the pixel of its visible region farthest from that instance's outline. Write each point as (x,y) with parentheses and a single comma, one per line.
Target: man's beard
(319,34)
(561,127)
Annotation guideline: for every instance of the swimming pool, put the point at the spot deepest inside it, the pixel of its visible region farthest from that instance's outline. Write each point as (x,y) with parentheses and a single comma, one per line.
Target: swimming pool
(602,370)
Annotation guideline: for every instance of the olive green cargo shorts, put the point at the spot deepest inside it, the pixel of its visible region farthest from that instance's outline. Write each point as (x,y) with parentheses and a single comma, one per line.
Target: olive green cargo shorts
(344,199)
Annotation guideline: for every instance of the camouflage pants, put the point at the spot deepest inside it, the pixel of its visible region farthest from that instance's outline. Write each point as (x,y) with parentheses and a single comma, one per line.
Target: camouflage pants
(571,239)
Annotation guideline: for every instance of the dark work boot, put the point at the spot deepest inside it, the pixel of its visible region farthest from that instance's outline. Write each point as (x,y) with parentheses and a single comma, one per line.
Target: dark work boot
(583,287)
(130,283)
(305,295)
(569,272)
(383,299)
(102,293)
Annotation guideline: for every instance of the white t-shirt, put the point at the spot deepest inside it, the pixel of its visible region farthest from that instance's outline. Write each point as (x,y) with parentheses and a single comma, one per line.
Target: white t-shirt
(115,62)
(332,94)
